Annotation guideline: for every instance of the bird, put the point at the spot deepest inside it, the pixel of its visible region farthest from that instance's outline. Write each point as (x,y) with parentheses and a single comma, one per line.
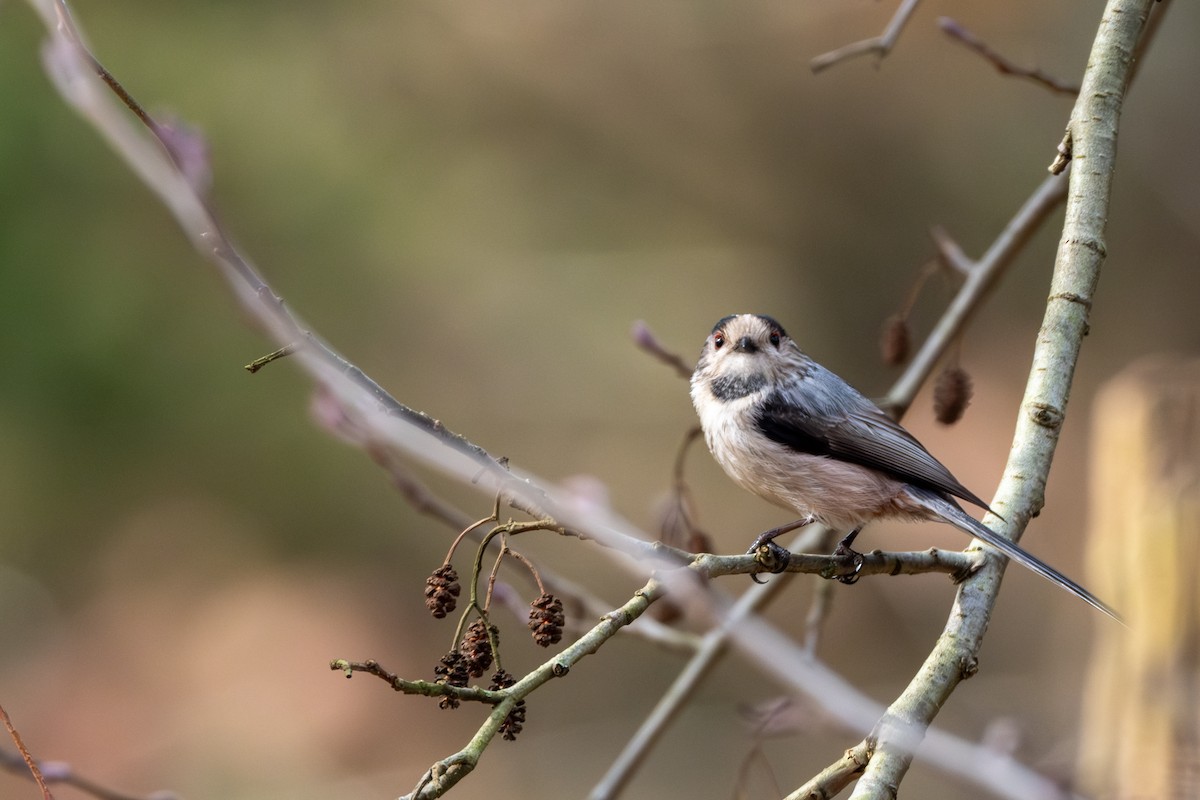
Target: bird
(794,433)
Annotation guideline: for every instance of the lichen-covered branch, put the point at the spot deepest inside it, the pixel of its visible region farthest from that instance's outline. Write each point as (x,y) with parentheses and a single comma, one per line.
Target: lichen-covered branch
(447,772)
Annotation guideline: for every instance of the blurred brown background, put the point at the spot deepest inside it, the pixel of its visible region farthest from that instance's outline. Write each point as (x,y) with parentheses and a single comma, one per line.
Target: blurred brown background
(474,201)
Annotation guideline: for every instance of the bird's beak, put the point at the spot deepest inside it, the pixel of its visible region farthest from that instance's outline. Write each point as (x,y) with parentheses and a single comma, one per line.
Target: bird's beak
(745,345)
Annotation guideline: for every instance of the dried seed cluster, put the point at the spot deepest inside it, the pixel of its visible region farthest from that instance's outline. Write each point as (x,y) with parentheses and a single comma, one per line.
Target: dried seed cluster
(515,720)
(952,395)
(442,590)
(895,344)
(546,620)
(476,647)
(452,671)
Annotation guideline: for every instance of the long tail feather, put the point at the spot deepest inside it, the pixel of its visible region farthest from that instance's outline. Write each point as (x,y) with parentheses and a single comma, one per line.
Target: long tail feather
(951,512)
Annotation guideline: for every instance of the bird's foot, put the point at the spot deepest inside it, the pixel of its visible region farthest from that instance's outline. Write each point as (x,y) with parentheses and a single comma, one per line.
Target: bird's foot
(772,557)
(843,551)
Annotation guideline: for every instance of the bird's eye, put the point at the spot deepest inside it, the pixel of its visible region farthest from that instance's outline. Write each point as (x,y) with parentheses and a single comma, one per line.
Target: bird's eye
(718,340)
(775,338)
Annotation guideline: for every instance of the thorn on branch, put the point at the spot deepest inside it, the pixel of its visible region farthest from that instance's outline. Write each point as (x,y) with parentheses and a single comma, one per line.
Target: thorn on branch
(1003,65)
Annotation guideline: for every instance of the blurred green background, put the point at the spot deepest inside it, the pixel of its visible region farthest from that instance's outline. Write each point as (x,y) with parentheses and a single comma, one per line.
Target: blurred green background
(474,201)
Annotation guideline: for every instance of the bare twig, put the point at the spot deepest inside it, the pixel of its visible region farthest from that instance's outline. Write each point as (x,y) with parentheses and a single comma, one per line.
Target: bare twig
(960,34)
(818,612)
(981,278)
(644,338)
(712,648)
(424,688)
(756,755)
(26,758)
(880,45)
(46,773)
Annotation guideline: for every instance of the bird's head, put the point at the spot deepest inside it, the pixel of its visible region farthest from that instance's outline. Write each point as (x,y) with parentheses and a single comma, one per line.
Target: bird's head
(744,354)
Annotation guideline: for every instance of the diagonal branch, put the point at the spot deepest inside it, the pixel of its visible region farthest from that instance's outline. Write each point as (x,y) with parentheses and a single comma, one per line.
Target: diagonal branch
(1093,128)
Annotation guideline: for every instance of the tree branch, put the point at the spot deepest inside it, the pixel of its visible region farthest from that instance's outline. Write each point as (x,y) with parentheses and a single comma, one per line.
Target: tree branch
(1093,128)
(442,776)
(1004,66)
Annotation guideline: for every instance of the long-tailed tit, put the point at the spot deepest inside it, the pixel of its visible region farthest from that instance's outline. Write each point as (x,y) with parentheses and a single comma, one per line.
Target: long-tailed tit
(790,431)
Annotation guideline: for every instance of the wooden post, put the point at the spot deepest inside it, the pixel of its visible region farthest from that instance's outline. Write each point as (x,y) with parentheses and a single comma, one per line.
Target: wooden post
(1141,720)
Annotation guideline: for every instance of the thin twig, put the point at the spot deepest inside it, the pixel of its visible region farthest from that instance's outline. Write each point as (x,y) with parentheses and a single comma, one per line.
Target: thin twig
(981,278)
(47,773)
(960,34)
(880,45)
(644,338)
(424,688)
(818,612)
(30,764)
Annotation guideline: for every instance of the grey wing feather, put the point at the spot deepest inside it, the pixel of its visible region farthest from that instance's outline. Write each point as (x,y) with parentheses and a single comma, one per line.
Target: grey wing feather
(879,440)
(826,416)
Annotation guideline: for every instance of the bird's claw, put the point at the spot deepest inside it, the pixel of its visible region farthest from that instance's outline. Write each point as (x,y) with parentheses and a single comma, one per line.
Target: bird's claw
(843,551)
(773,557)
